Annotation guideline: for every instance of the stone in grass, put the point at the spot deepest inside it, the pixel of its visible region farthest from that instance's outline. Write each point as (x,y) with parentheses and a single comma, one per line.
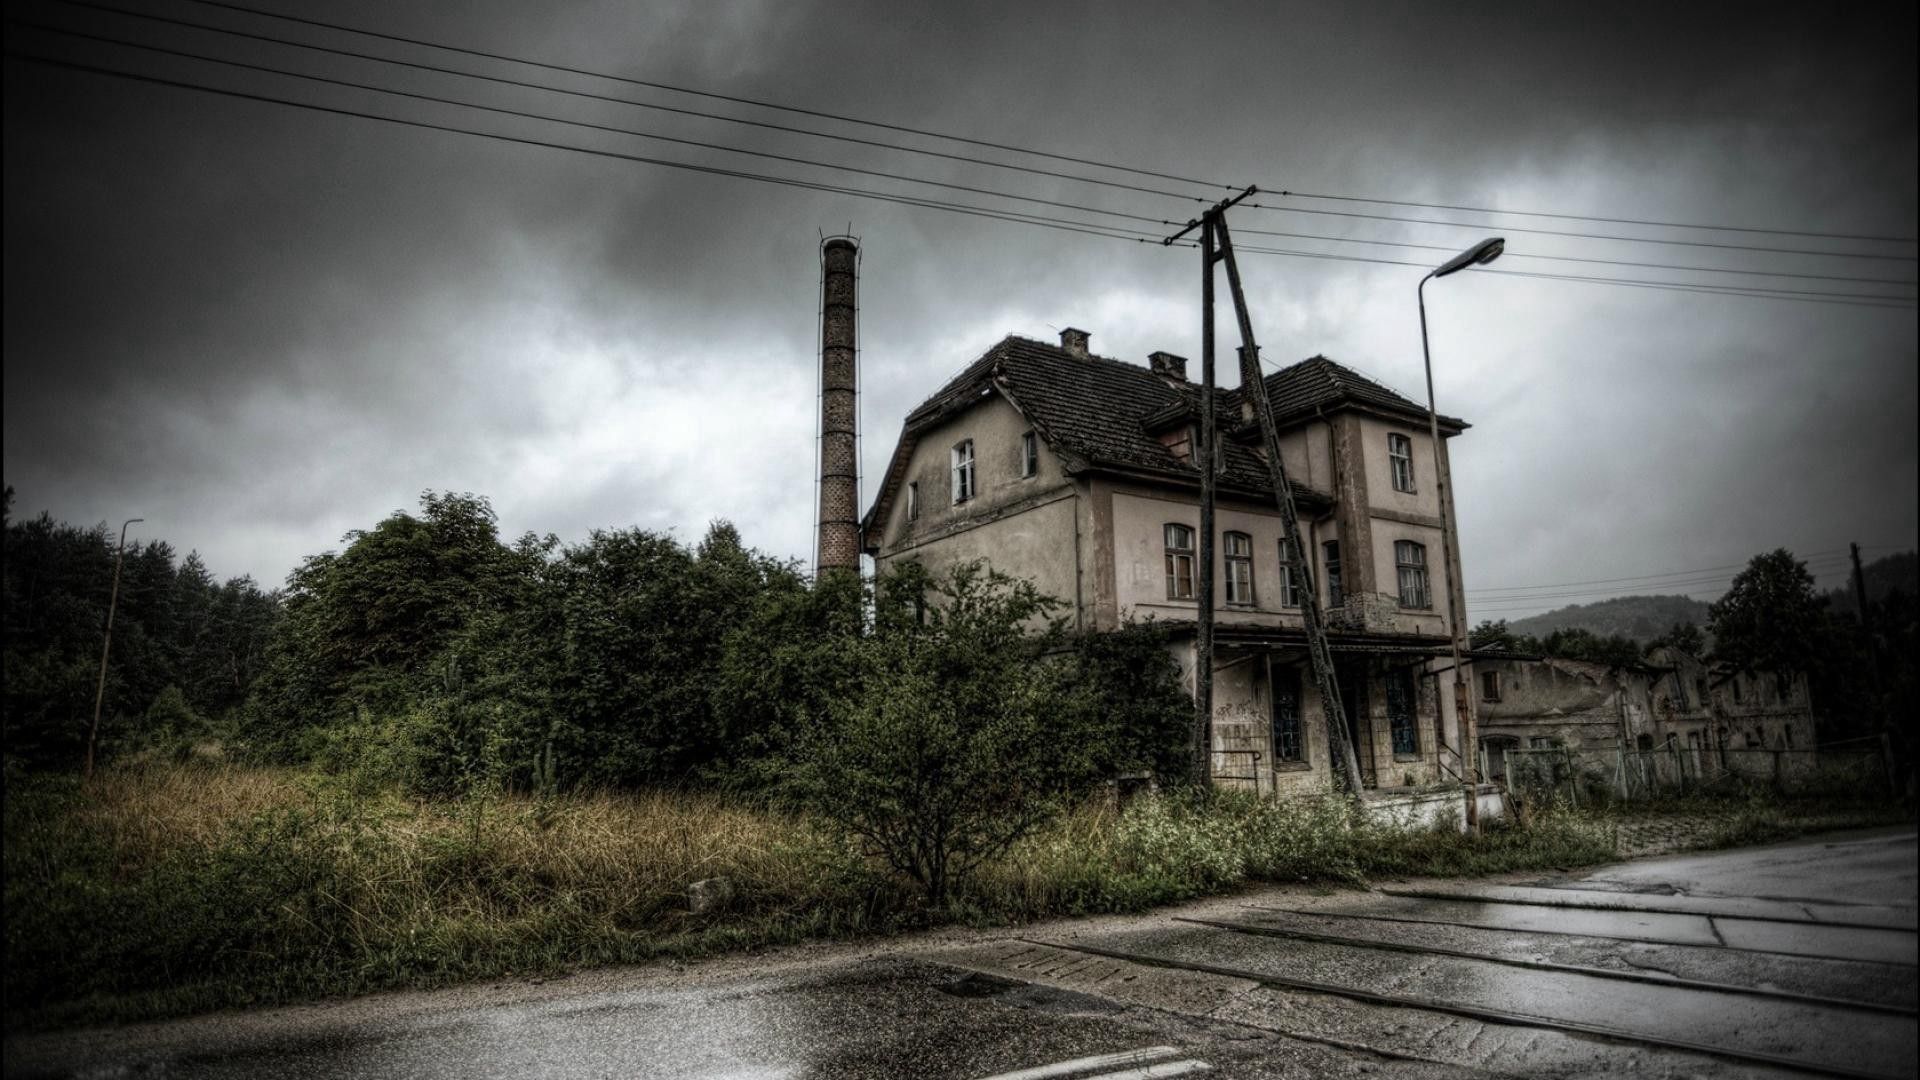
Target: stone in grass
(709,895)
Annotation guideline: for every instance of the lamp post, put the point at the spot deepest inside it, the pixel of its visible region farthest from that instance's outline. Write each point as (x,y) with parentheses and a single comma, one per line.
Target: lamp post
(1480,254)
(106,645)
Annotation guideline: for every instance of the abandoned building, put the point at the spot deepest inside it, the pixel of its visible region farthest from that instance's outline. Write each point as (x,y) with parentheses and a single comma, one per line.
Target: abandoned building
(1076,471)
(1672,701)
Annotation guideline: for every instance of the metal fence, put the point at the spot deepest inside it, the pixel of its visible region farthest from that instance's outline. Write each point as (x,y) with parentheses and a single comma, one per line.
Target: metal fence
(1591,775)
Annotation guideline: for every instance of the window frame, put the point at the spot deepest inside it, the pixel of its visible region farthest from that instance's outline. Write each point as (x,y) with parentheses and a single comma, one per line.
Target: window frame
(913,500)
(1289,733)
(1237,562)
(961,476)
(1489,686)
(1403,725)
(1029,455)
(1180,561)
(1410,558)
(1290,587)
(1330,554)
(1400,462)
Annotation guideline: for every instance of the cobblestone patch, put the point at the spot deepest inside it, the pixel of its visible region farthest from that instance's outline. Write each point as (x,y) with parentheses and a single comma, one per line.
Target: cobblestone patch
(1658,836)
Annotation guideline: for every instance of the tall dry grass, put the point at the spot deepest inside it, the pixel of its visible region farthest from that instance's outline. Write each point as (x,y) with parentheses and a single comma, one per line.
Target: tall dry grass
(163,888)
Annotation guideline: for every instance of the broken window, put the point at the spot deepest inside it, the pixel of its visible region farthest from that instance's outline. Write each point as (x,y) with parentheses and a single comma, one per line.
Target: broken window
(1289,575)
(913,501)
(1179,562)
(963,472)
(1400,456)
(1401,698)
(1238,548)
(1412,561)
(1332,550)
(1287,745)
(1029,454)
(1489,686)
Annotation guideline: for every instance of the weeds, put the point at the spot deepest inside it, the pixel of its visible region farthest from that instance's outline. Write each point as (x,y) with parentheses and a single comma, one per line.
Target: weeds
(167,888)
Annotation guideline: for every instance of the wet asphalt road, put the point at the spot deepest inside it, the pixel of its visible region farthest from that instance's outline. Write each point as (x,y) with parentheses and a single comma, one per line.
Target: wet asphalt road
(1757,962)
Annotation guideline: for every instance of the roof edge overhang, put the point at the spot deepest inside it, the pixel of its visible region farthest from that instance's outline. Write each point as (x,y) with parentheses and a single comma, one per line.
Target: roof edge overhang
(1304,495)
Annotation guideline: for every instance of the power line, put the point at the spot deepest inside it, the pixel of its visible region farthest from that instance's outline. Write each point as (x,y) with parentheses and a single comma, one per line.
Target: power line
(757,103)
(462,103)
(711,170)
(1599,218)
(821,114)
(89,4)
(1561,232)
(502,80)
(1811,296)
(1582,259)
(1818,555)
(1113,232)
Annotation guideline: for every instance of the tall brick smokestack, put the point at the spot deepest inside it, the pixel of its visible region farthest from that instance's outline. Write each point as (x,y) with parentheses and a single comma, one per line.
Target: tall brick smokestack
(839,543)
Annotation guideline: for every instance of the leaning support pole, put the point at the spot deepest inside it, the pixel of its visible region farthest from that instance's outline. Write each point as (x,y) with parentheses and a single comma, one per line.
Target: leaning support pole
(1255,387)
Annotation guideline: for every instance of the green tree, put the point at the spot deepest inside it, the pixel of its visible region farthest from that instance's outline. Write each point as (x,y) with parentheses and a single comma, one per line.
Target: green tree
(1496,634)
(965,731)
(1684,636)
(1770,619)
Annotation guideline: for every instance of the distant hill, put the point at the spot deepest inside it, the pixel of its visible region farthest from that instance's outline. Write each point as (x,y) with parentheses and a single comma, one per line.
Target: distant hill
(1641,618)
(1644,618)
(1882,576)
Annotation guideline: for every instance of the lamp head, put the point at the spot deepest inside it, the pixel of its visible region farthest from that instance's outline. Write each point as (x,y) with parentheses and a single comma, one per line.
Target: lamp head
(1479,254)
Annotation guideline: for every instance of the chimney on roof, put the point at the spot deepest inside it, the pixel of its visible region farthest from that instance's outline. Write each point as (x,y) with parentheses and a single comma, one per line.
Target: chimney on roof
(1168,366)
(1075,341)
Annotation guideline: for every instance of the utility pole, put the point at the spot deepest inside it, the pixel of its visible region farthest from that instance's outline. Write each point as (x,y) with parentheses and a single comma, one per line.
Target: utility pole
(106,644)
(1216,245)
(1203,454)
(1859,584)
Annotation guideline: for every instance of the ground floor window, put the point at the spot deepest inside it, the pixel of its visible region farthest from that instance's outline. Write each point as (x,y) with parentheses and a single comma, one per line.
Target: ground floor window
(1287,745)
(1401,698)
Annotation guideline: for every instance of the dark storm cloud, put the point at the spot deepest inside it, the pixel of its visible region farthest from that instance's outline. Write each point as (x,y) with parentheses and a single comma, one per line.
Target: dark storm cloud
(260,327)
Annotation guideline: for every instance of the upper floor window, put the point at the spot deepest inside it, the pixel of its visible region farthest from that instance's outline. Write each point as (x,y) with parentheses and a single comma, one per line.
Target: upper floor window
(1289,575)
(1238,549)
(1179,562)
(1029,454)
(963,472)
(1411,558)
(1489,686)
(1335,597)
(913,500)
(1400,456)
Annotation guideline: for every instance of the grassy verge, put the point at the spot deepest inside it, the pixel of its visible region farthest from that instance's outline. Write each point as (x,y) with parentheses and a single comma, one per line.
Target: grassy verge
(162,889)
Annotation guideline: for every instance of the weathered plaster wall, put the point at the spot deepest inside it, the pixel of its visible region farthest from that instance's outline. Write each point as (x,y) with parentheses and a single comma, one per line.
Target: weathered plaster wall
(1023,526)
(1577,704)
(1139,516)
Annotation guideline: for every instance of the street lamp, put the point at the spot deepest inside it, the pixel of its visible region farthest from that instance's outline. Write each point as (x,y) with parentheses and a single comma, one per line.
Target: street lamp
(1478,255)
(100,692)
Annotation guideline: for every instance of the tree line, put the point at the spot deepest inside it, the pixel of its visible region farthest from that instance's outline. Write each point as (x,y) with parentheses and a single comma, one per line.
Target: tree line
(436,653)
(187,648)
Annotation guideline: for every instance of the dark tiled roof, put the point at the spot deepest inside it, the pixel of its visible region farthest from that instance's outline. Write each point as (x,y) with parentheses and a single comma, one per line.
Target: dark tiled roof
(1102,413)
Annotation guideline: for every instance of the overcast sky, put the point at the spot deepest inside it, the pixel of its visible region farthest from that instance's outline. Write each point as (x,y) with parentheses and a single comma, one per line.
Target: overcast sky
(259,327)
